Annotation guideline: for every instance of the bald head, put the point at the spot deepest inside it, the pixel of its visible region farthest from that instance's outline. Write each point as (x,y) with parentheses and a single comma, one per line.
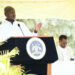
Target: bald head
(9,12)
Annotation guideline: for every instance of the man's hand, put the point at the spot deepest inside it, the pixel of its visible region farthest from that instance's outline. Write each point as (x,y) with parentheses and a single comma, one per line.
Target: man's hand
(38,26)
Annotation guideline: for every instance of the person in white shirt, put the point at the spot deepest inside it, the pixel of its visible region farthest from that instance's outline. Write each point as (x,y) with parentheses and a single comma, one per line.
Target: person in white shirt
(65,53)
(10,27)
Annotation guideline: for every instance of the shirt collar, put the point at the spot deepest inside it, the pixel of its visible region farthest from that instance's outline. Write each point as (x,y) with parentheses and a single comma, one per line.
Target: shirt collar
(10,20)
(62,48)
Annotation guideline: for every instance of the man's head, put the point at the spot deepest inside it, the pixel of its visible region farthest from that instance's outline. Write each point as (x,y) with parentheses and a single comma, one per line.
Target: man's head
(63,41)
(9,12)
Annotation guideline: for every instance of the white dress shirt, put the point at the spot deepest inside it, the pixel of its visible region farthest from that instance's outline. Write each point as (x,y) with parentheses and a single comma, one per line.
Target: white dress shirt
(7,30)
(64,54)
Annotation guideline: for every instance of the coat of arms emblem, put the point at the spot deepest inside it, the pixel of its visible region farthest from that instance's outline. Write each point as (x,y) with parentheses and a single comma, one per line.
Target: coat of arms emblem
(36,48)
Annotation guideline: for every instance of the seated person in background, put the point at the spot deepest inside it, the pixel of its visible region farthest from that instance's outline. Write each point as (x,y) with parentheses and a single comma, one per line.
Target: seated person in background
(65,53)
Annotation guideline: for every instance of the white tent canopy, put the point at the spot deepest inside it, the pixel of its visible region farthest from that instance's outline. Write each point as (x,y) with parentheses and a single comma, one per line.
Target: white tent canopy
(62,9)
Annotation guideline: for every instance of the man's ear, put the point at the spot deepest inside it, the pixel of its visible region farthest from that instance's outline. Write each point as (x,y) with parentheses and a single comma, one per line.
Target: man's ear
(6,14)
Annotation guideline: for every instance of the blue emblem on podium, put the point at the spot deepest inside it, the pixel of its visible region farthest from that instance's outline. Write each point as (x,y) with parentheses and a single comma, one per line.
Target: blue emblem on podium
(36,48)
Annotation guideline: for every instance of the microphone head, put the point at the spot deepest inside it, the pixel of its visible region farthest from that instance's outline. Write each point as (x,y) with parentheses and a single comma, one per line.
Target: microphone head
(19,25)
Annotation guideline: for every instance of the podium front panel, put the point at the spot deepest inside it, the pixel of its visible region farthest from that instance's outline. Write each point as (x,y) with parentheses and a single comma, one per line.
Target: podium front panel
(42,54)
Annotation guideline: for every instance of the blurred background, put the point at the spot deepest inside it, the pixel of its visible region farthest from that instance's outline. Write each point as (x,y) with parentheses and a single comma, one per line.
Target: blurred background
(57,18)
(53,27)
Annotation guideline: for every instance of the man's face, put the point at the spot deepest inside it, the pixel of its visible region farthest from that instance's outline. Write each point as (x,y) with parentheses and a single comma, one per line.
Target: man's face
(63,43)
(11,14)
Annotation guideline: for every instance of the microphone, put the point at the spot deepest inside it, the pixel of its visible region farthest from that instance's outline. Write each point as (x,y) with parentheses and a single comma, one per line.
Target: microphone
(20,29)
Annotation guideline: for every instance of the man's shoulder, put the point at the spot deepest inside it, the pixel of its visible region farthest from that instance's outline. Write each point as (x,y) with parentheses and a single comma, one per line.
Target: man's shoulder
(3,22)
(58,48)
(68,47)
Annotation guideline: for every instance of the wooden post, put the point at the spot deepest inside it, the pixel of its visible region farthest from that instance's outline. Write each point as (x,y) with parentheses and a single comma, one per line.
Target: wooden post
(48,69)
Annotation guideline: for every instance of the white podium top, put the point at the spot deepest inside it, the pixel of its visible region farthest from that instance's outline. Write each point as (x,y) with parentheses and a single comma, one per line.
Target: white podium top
(63,68)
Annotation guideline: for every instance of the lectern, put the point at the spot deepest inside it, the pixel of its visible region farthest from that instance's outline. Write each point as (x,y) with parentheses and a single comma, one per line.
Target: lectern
(35,52)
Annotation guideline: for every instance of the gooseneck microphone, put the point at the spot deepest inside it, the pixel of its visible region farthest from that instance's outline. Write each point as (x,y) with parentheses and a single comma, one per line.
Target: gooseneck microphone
(20,29)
